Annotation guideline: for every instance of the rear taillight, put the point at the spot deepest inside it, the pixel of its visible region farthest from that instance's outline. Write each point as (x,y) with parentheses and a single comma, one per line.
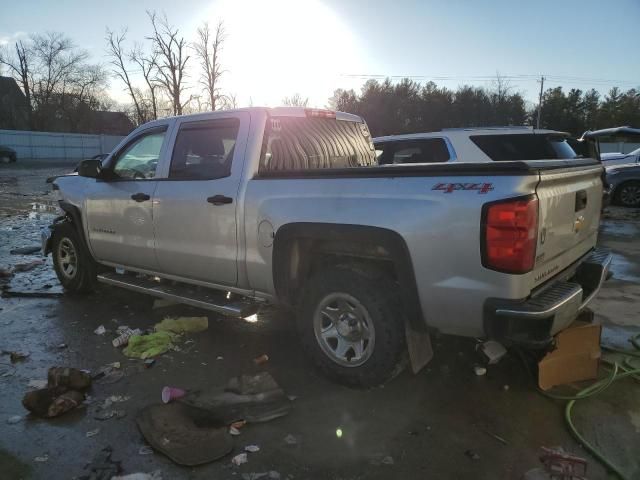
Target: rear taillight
(509,235)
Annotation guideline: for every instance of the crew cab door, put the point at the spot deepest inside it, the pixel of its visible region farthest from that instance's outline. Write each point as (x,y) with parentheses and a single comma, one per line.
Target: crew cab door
(119,206)
(195,206)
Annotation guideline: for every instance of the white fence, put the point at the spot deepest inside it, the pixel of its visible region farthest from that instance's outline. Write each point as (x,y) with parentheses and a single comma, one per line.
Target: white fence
(57,146)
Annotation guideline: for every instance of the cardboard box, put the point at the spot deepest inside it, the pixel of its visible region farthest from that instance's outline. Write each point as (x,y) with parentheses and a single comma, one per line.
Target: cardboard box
(575,358)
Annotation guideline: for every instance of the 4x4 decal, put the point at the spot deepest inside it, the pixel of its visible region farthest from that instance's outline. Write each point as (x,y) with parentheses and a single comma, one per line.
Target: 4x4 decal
(451,187)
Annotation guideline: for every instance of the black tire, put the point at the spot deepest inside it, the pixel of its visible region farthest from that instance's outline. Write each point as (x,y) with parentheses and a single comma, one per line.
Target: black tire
(628,194)
(67,249)
(377,295)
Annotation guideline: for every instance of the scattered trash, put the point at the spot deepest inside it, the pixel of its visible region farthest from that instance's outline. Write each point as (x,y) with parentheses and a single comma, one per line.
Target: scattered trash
(479,371)
(252,448)
(100,330)
(62,346)
(290,440)
(493,351)
(261,360)
(108,414)
(172,393)
(123,338)
(16,356)
(63,391)
(183,325)
(497,437)
(219,358)
(26,250)
(28,266)
(71,378)
(188,436)
(575,358)
(234,431)
(15,419)
(92,433)
(472,455)
(42,459)
(560,464)
(37,384)
(147,346)
(239,459)
(505,388)
(149,362)
(388,460)
(145,450)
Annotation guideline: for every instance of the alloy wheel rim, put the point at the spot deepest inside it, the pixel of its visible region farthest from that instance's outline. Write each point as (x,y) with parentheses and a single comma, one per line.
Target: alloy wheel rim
(67,258)
(344,330)
(630,195)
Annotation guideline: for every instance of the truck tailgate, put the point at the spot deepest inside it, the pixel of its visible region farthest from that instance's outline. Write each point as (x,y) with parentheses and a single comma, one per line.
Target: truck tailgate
(569,214)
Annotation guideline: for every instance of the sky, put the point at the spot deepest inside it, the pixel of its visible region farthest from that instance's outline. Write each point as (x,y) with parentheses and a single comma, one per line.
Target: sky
(276,48)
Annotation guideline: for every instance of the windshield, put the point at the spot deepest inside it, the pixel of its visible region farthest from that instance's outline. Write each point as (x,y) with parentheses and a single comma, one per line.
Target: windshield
(524,147)
(297,144)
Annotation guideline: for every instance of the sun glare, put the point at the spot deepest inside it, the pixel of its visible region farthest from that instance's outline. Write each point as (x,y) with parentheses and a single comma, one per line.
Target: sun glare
(281,47)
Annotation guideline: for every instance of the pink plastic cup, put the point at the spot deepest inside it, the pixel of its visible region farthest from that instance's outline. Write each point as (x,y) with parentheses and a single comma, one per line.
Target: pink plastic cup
(172,393)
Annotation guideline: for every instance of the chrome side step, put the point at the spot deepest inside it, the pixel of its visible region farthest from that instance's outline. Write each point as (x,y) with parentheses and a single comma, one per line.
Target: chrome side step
(200,297)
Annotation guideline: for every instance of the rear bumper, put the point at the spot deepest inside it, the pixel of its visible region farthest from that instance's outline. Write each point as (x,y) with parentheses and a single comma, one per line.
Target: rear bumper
(534,322)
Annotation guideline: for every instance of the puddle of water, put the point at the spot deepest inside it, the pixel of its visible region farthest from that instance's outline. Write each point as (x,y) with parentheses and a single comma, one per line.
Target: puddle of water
(618,337)
(623,269)
(620,229)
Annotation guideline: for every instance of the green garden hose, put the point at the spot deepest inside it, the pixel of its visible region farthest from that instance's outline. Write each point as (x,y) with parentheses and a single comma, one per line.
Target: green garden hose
(628,369)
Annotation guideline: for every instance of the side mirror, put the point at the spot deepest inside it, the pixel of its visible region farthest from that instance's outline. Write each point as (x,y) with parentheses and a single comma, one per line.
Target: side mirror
(90,168)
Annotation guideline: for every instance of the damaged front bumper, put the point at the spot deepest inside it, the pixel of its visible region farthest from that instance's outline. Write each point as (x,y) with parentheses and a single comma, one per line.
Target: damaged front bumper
(533,322)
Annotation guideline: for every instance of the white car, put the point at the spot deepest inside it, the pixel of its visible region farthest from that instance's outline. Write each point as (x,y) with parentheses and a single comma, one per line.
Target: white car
(610,159)
(474,145)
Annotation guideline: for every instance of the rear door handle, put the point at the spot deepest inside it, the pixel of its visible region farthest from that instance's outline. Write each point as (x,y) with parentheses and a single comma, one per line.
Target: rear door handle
(140,197)
(220,200)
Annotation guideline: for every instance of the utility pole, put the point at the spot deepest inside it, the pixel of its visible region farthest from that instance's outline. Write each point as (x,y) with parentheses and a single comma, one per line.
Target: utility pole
(540,102)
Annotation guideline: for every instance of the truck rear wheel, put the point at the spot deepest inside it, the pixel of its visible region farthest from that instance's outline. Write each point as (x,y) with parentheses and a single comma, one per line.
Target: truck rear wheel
(74,267)
(352,325)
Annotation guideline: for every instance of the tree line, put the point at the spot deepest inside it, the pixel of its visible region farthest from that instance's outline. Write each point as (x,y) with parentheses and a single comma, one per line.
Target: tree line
(60,85)
(408,106)
(164,74)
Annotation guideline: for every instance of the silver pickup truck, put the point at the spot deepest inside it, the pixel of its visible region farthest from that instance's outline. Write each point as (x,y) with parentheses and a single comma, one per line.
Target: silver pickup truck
(230,210)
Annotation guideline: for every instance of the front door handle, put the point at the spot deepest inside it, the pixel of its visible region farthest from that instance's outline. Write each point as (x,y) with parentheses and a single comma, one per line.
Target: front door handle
(220,200)
(140,197)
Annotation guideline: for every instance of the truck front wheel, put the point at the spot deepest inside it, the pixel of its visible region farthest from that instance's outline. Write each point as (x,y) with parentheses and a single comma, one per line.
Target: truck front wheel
(75,269)
(352,325)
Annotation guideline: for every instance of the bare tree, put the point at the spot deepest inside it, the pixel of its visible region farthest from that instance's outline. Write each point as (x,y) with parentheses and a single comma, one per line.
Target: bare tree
(171,59)
(295,100)
(229,102)
(20,69)
(58,58)
(208,48)
(116,52)
(148,67)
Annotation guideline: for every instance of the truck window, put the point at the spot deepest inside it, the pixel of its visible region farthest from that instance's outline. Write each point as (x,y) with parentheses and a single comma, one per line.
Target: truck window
(428,150)
(139,159)
(204,150)
(297,144)
(524,147)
